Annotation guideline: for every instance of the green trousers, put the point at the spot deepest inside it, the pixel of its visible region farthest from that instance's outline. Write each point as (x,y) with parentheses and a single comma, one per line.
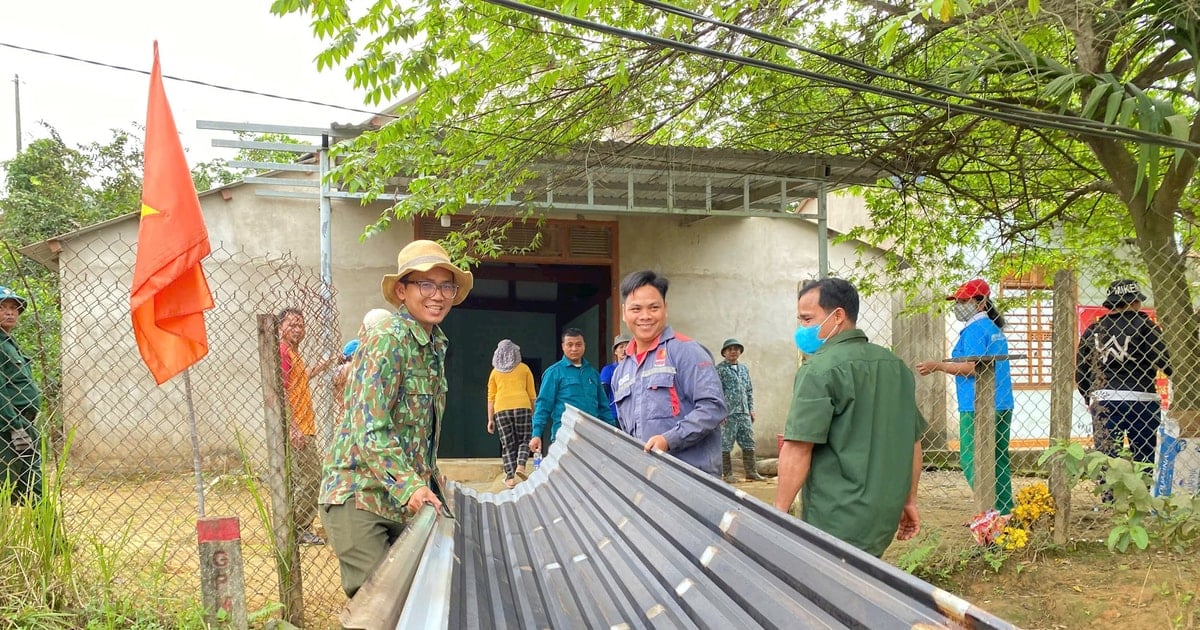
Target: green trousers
(966,455)
(360,539)
(22,471)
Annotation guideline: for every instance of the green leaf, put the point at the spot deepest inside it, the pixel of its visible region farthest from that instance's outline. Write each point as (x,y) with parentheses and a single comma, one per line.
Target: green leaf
(1115,535)
(886,37)
(1093,101)
(1139,537)
(1113,108)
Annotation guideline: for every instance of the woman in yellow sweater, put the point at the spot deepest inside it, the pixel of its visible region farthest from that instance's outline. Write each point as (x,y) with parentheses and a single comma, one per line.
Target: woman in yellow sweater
(510,407)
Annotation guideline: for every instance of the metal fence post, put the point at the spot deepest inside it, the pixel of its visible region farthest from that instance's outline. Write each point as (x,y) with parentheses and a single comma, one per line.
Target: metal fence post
(287,553)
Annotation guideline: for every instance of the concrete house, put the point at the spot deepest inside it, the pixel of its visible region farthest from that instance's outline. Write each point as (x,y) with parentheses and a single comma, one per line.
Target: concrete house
(733,231)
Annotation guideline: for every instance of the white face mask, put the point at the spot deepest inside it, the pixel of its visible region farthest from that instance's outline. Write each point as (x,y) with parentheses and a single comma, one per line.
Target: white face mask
(964,311)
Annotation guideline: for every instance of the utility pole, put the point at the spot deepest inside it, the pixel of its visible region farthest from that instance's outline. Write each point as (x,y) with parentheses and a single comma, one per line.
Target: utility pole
(17,96)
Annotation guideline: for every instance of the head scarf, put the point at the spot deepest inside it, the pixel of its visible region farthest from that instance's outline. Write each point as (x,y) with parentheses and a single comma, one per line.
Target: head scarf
(507,356)
(375,317)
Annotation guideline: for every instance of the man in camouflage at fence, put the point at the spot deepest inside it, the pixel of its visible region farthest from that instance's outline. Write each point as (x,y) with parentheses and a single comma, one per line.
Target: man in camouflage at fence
(852,439)
(20,400)
(382,466)
(302,430)
(739,401)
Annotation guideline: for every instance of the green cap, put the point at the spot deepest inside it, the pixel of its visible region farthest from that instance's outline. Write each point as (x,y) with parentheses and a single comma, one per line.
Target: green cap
(8,294)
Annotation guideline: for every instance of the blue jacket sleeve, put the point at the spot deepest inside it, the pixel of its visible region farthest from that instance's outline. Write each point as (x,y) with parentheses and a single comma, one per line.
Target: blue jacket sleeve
(696,380)
(544,406)
(603,411)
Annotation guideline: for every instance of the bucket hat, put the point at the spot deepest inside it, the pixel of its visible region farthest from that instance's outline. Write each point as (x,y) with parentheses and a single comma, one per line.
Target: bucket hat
(423,256)
(8,294)
(1122,292)
(971,289)
(732,342)
(620,339)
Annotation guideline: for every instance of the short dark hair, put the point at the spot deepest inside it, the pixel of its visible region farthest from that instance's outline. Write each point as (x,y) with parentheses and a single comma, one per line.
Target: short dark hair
(639,279)
(834,293)
(291,310)
(571,332)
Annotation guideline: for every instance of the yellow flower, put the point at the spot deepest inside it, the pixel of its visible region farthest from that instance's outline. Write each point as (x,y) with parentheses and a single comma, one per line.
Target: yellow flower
(1013,538)
(1032,503)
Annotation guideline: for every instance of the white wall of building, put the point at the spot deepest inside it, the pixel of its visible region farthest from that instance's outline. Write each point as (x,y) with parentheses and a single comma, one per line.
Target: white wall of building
(729,277)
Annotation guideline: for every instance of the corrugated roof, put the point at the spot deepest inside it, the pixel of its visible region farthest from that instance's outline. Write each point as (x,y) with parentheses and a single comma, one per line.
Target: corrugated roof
(606,536)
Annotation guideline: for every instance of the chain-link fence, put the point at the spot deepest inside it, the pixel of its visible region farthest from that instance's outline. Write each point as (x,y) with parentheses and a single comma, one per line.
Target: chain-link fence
(130,498)
(1087,361)
(128,493)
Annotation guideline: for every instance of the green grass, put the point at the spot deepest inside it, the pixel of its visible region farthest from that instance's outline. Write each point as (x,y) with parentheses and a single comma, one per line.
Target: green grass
(42,588)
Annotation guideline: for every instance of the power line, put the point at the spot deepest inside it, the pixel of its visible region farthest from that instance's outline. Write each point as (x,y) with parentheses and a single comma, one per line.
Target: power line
(194,81)
(1124,134)
(874,70)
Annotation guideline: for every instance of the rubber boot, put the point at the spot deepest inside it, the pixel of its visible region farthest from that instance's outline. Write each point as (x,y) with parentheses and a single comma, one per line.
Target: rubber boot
(751,466)
(727,468)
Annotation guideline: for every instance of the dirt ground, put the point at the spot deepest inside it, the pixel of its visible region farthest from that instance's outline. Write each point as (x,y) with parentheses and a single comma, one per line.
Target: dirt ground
(1082,585)
(136,529)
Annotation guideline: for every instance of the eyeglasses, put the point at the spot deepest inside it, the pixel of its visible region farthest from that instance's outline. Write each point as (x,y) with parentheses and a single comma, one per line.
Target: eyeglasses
(428,288)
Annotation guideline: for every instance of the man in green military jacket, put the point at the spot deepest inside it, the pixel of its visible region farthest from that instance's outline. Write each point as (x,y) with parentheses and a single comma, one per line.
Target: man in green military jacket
(853,435)
(382,465)
(20,400)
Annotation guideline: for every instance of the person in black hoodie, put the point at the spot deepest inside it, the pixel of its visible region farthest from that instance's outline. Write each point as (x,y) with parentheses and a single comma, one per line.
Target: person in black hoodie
(1118,361)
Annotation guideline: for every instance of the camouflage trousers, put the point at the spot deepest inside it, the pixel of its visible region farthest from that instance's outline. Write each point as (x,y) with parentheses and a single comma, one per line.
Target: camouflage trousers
(737,428)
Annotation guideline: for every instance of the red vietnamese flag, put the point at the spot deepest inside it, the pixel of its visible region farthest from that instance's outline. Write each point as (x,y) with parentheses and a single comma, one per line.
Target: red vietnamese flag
(170,293)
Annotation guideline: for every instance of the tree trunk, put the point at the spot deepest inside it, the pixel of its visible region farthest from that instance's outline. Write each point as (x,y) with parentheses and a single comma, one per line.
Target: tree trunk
(1167,269)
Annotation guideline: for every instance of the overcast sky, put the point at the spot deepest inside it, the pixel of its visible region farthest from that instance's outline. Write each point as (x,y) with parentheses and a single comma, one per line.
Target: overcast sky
(234,43)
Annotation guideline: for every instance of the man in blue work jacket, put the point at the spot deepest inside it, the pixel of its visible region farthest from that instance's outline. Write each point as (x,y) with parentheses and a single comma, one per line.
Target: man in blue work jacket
(668,393)
(572,381)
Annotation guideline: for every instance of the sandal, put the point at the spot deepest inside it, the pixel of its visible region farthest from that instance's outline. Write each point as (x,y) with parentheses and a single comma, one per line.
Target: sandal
(521,475)
(510,483)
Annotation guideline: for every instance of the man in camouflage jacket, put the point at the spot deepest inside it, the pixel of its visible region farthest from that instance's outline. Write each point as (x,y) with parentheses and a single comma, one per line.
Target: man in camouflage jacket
(382,465)
(739,401)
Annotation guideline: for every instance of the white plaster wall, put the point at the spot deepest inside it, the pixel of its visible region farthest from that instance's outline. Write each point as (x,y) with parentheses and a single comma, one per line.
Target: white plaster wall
(122,422)
(262,225)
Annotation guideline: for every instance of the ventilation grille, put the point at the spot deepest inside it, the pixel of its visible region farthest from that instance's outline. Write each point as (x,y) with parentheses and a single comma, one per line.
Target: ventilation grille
(523,236)
(589,242)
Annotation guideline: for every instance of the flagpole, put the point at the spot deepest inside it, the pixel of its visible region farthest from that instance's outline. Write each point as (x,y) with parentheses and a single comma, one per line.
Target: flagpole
(196,461)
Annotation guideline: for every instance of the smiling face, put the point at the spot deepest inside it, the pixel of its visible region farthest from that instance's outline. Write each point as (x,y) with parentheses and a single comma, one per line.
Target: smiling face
(428,311)
(573,348)
(645,315)
(10,312)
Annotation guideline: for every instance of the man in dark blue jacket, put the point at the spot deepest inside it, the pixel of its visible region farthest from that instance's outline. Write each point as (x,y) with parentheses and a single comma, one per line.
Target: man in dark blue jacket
(668,393)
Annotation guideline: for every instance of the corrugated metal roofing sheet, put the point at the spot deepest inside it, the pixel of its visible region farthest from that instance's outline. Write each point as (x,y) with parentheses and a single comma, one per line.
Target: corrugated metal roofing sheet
(606,536)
